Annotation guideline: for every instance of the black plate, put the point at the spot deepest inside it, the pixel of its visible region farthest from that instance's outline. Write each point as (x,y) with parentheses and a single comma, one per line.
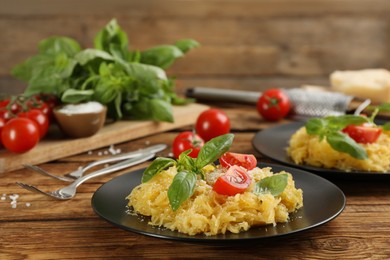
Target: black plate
(323,201)
(273,142)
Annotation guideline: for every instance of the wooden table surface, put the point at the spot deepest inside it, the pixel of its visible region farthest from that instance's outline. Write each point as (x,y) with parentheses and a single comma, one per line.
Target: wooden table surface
(51,229)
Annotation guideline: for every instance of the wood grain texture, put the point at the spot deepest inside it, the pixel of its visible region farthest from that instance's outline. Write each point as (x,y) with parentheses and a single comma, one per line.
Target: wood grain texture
(247,41)
(51,229)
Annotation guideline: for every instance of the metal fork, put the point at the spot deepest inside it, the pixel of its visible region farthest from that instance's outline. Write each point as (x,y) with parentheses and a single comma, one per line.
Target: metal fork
(69,191)
(69,177)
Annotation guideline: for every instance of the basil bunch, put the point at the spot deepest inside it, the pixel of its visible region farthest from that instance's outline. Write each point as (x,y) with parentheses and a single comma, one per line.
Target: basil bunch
(330,128)
(131,83)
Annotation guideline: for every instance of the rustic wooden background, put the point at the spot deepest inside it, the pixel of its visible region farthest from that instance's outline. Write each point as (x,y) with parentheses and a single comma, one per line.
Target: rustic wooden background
(246,44)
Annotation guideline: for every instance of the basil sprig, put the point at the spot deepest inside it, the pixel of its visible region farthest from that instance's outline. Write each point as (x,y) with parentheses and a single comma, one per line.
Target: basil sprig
(183,184)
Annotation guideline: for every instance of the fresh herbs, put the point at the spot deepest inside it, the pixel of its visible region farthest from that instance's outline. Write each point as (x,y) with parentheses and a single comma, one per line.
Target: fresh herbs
(189,168)
(330,128)
(132,83)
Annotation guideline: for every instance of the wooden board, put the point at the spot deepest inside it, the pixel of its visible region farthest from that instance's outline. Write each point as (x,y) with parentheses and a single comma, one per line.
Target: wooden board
(121,131)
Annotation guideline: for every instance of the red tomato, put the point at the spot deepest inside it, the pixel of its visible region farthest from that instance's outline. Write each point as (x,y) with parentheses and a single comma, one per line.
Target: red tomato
(248,161)
(212,123)
(20,135)
(235,180)
(273,105)
(39,118)
(187,140)
(364,134)
(2,123)
(5,114)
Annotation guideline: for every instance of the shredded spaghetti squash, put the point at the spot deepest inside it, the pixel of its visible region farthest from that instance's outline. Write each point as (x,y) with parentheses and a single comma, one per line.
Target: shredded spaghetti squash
(207,212)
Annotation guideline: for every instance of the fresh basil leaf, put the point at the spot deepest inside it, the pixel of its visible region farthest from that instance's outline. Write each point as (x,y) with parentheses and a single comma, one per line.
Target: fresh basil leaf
(158,165)
(87,55)
(182,188)
(186,162)
(337,123)
(274,184)
(315,126)
(56,44)
(384,107)
(213,149)
(162,110)
(343,143)
(32,66)
(145,71)
(111,34)
(161,56)
(75,96)
(386,126)
(186,44)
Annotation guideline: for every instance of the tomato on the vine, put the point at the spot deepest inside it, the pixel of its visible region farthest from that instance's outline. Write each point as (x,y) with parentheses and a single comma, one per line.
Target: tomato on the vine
(248,161)
(212,123)
(273,105)
(187,140)
(365,134)
(39,118)
(235,180)
(20,135)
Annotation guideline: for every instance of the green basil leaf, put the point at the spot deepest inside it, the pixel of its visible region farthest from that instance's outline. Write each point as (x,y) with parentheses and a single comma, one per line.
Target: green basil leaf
(109,35)
(386,126)
(186,44)
(186,162)
(75,96)
(315,126)
(274,184)
(162,110)
(343,143)
(161,56)
(56,44)
(337,123)
(33,66)
(158,165)
(213,149)
(384,107)
(182,188)
(88,55)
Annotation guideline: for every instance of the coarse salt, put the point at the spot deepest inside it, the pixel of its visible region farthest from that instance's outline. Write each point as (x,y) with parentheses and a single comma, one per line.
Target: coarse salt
(89,107)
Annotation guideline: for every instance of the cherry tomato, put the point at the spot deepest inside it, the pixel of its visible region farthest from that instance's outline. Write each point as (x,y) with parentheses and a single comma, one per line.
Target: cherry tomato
(273,105)
(235,180)
(248,161)
(212,123)
(187,140)
(39,118)
(20,135)
(2,123)
(364,134)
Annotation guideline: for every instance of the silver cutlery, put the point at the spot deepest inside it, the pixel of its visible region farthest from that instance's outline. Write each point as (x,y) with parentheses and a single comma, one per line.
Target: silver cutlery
(69,191)
(69,177)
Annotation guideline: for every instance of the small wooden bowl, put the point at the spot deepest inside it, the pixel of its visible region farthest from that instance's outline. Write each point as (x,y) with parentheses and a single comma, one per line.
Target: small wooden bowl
(80,124)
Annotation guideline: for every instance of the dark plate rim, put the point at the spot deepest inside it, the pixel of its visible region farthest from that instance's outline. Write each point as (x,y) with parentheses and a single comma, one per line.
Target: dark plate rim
(262,138)
(229,237)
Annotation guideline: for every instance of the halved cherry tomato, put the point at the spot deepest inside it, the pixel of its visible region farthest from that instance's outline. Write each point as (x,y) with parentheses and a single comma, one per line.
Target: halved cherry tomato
(39,118)
(20,135)
(248,161)
(235,180)
(212,123)
(364,134)
(273,105)
(187,140)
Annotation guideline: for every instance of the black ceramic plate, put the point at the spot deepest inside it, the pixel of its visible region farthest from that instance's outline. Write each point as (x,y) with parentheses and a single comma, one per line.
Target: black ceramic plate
(272,143)
(323,201)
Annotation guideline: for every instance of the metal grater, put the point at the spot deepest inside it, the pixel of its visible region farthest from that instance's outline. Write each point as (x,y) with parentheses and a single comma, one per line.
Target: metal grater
(306,102)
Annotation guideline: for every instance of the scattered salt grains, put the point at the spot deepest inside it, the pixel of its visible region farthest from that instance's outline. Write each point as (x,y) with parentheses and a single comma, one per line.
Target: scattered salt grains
(89,152)
(28,204)
(100,153)
(147,142)
(170,155)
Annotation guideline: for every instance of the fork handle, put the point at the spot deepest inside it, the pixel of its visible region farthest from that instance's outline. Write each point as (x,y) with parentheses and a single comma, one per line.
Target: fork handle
(113,168)
(152,149)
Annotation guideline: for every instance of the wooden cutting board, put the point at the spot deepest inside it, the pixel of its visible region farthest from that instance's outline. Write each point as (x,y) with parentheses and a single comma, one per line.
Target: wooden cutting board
(58,147)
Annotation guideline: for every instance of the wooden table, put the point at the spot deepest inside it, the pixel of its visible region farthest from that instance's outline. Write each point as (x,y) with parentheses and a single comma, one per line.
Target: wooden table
(51,229)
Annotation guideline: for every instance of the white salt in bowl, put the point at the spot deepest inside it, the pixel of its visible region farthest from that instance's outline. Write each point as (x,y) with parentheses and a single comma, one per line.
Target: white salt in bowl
(81,120)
